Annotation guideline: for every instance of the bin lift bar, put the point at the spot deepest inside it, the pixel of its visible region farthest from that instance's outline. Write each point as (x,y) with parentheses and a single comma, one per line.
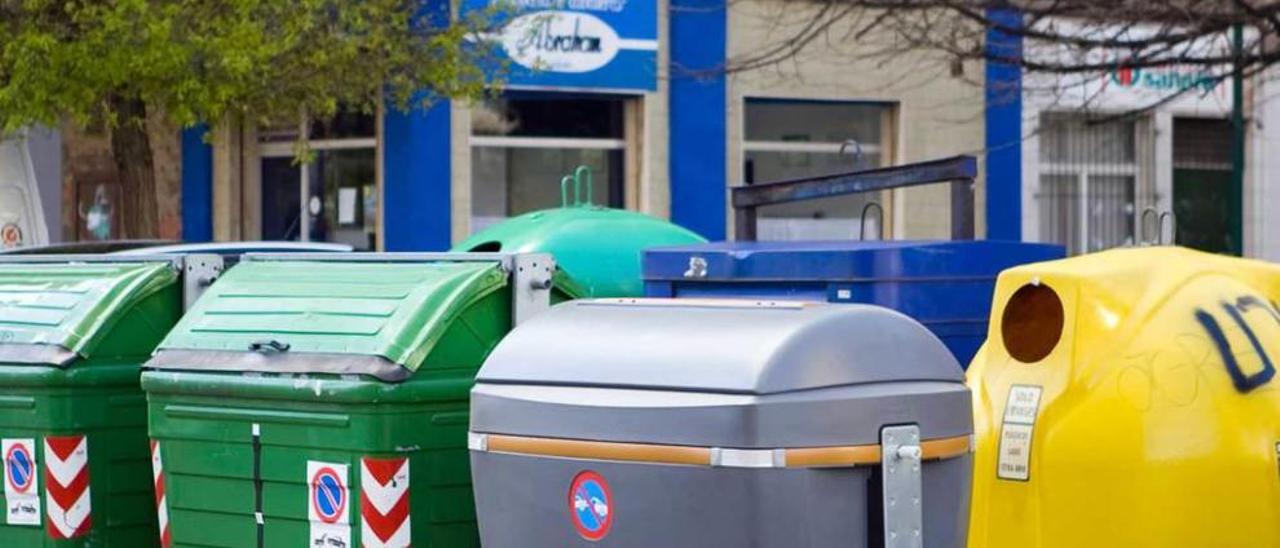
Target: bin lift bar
(198,270)
(960,171)
(531,273)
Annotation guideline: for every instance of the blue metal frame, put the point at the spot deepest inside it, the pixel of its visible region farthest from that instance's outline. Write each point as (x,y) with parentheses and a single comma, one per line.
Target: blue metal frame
(958,170)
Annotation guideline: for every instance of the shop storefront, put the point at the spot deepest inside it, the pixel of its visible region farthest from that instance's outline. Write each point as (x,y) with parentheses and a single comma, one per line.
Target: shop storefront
(638,92)
(581,90)
(1128,156)
(581,76)
(1105,156)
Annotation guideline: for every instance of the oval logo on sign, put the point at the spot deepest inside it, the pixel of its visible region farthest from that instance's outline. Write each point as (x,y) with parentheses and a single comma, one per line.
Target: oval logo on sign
(590,504)
(560,41)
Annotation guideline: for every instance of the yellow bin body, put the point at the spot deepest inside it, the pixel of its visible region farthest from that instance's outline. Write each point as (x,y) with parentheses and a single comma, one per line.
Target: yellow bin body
(1152,420)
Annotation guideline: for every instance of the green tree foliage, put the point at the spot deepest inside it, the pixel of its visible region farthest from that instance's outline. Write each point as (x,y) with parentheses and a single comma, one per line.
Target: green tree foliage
(111,61)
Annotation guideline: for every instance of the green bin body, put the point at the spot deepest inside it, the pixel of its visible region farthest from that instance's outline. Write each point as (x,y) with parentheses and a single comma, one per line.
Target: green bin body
(73,337)
(357,370)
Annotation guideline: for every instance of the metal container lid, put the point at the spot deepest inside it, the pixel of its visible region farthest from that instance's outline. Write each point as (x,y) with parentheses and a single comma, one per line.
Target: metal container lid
(725,346)
(52,312)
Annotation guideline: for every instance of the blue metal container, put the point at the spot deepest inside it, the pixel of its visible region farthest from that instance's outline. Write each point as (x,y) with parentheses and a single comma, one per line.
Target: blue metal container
(946,285)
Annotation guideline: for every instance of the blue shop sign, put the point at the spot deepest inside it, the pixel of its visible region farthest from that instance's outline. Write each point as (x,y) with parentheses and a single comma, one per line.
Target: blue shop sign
(596,44)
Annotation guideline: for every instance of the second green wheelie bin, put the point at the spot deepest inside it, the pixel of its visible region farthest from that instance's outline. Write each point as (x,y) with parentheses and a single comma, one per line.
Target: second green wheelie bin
(74,332)
(323,400)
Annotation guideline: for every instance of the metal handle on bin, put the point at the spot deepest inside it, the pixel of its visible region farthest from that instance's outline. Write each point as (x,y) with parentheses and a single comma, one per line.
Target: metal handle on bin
(1142,226)
(564,190)
(1173,228)
(271,346)
(577,182)
(862,224)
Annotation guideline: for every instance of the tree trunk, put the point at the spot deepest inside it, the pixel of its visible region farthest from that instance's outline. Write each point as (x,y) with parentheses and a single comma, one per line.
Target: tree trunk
(131,150)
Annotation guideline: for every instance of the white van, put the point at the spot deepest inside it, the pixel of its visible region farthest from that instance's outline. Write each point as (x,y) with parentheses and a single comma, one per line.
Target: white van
(21,217)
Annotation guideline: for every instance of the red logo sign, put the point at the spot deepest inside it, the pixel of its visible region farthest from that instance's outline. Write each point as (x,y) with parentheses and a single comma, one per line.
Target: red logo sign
(10,236)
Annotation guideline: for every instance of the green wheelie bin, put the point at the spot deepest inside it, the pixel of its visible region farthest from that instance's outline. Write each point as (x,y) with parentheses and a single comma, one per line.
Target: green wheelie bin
(74,332)
(323,400)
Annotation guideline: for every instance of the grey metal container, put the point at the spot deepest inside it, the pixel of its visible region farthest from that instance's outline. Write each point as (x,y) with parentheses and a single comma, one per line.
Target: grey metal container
(653,422)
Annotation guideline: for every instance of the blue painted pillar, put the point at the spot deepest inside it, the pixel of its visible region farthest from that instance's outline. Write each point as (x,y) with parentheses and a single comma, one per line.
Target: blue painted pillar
(416,179)
(417,166)
(197,185)
(698,112)
(1004,127)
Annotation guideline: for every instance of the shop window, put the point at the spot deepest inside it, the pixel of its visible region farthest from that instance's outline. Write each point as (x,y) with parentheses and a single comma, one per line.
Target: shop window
(792,139)
(522,147)
(333,198)
(1089,171)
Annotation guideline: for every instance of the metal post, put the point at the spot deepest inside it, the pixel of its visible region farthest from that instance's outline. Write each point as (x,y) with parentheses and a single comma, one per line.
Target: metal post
(304,187)
(1237,139)
(744,224)
(962,204)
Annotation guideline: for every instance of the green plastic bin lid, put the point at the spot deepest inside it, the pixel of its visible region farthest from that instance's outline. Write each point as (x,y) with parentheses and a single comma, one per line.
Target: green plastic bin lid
(51,313)
(597,247)
(371,318)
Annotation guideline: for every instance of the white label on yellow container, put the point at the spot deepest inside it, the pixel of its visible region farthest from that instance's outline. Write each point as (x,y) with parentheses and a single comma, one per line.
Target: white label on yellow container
(1020,412)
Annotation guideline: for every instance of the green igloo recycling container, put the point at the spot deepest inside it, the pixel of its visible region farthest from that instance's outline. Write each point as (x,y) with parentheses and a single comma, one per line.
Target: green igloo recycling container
(322,400)
(599,248)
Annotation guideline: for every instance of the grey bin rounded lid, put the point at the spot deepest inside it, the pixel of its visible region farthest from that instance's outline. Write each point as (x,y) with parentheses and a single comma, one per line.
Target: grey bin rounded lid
(727,346)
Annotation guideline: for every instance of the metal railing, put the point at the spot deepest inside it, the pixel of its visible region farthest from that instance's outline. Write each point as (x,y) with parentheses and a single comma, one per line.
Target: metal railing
(959,171)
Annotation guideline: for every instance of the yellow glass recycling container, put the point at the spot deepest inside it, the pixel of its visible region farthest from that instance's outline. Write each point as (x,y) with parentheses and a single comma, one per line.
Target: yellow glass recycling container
(1129,398)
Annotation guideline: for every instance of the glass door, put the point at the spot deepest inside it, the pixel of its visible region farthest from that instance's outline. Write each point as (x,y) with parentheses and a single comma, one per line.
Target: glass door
(332,198)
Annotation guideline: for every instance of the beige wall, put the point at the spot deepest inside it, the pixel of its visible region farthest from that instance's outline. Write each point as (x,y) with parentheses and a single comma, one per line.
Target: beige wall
(655,177)
(939,114)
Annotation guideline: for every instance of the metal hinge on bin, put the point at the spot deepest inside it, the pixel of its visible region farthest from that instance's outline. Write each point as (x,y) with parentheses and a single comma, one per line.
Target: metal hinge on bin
(199,271)
(901,475)
(531,279)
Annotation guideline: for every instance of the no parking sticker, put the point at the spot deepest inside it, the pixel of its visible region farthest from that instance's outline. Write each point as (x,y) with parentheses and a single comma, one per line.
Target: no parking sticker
(591,505)
(21,482)
(328,504)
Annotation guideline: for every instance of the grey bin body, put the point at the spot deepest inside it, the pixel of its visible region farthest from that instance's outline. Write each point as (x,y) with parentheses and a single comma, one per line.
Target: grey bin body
(705,413)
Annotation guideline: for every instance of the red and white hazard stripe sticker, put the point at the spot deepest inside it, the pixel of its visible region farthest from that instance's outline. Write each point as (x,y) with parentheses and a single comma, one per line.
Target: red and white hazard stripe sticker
(384,502)
(162,504)
(66,480)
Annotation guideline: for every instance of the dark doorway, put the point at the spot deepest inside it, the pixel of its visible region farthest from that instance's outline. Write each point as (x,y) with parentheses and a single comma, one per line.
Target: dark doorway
(1203,187)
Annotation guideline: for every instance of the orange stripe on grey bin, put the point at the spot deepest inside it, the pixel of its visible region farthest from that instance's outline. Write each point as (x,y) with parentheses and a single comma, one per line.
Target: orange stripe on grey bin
(801,457)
